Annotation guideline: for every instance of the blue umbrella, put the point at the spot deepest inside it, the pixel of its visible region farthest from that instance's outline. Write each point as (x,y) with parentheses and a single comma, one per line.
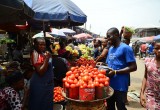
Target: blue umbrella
(56,12)
(157,38)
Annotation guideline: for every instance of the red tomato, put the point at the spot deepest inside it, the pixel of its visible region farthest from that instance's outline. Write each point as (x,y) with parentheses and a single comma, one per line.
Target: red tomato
(96,83)
(101,76)
(102,71)
(85,78)
(95,69)
(84,85)
(81,86)
(72,77)
(76,75)
(106,83)
(68,73)
(88,86)
(107,78)
(101,85)
(66,84)
(75,81)
(73,68)
(92,85)
(70,81)
(96,73)
(102,80)
(64,79)
(72,85)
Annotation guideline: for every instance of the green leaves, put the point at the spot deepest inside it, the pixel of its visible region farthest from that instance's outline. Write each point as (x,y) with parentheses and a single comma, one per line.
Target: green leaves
(129,29)
(6,41)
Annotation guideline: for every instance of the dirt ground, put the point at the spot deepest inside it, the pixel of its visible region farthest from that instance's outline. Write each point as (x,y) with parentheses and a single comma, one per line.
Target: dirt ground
(136,81)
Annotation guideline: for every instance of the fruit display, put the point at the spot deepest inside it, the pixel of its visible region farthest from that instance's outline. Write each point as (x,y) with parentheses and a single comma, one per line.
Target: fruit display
(74,52)
(85,50)
(57,95)
(86,61)
(55,50)
(84,78)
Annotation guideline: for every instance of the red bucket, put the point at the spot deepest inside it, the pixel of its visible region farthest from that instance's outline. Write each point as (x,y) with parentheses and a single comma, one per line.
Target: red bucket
(86,94)
(101,92)
(72,93)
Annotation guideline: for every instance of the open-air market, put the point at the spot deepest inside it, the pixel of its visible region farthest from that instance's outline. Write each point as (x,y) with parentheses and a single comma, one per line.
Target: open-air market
(79,55)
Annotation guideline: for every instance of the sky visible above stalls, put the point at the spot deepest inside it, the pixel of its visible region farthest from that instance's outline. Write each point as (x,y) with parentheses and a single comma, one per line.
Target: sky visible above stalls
(104,14)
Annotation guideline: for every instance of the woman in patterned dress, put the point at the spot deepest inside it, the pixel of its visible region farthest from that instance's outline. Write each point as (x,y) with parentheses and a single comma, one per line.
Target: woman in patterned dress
(9,96)
(150,90)
(41,83)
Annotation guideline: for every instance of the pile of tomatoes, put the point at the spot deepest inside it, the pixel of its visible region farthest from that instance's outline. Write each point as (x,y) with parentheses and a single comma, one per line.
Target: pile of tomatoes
(85,77)
(84,62)
(58,97)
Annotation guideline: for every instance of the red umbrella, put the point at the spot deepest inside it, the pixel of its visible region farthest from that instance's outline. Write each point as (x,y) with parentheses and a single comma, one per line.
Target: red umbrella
(148,39)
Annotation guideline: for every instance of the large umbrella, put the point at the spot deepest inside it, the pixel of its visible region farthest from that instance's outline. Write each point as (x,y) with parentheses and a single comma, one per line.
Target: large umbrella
(157,38)
(67,31)
(56,13)
(148,39)
(42,35)
(82,36)
(14,11)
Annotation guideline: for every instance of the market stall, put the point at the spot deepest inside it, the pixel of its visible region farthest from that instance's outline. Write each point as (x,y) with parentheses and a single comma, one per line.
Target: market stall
(86,88)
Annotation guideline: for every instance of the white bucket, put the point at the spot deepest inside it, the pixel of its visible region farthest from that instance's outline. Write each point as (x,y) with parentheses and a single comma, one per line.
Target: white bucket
(57,107)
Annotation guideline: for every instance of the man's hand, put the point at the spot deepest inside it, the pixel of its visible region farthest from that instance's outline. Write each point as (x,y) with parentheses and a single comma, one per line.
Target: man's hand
(111,73)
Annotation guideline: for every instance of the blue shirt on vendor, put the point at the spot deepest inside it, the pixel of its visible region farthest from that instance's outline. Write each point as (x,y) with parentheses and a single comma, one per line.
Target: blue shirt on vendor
(118,58)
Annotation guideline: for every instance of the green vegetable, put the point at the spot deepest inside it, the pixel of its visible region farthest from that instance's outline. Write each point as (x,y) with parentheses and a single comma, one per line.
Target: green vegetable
(129,29)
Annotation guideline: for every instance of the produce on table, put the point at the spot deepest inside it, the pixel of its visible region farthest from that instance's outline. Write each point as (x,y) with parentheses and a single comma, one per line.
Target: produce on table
(58,97)
(85,50)
(73,52)
(55,50)
(85,77)
(86,61)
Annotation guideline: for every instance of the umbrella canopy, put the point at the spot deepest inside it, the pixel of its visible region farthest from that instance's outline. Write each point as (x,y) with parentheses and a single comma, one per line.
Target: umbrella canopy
(41,34)
(57,33)
(157,38)
(67,31)
(82,36)
(148,39)
(14,11)
(56,12)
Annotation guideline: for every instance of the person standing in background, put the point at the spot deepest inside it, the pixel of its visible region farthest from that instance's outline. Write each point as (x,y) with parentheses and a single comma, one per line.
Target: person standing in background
(102,57)
(126,36)
(17,54)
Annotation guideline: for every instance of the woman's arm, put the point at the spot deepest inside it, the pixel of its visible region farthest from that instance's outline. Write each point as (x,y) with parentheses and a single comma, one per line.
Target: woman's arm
(41,68)
(143,87)
(103,54)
